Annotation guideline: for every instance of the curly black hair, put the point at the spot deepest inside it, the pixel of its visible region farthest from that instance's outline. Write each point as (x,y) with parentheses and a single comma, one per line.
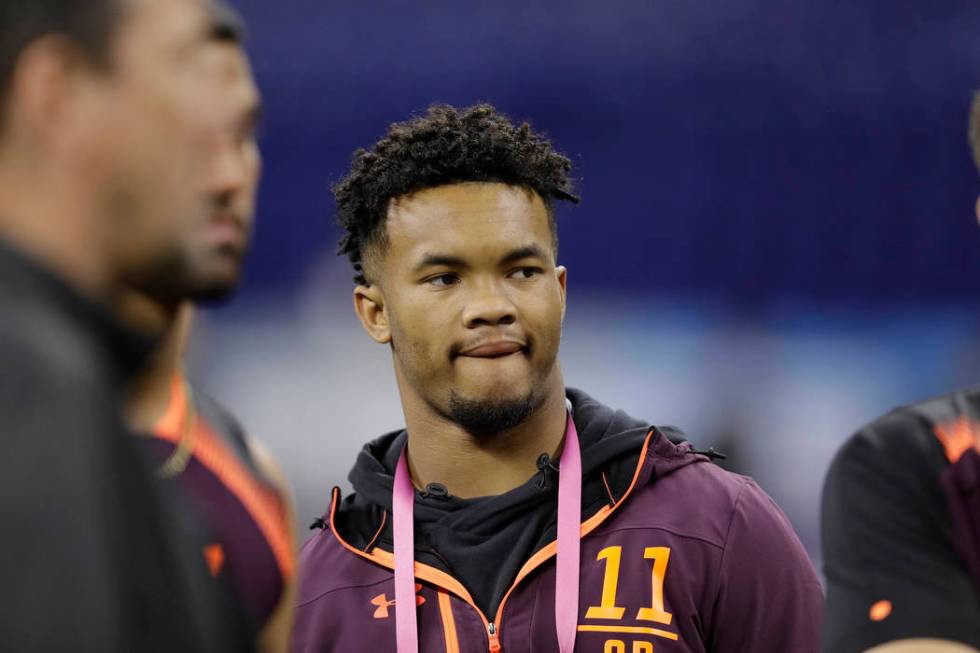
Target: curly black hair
(445,146)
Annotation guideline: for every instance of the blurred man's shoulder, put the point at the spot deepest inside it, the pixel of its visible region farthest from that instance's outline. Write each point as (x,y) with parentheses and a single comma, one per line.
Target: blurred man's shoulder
(918,431)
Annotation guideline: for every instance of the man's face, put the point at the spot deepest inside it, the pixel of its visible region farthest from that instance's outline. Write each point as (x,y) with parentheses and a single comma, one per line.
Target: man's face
(213,244)
(158,118)
(472,302)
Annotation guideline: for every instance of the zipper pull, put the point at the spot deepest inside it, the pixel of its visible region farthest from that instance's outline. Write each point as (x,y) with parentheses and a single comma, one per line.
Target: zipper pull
(494,638)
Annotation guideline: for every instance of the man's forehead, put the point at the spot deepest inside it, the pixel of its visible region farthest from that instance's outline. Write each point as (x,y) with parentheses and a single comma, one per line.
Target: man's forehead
(152,25)
(466,211)
(192,14)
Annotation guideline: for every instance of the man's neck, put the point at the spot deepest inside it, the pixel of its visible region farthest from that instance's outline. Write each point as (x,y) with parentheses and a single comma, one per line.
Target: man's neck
(56,229)
(148,395)
(440,451)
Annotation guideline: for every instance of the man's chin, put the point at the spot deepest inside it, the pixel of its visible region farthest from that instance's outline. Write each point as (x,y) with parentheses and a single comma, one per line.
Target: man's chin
(488,412)
(213,293)
(216,279)
(214,288)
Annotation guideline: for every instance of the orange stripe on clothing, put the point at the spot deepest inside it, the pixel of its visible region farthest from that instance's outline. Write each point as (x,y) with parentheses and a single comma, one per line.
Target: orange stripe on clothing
(387,559)
(173,420)
(957,437)
(384,518)
(608,491)
(448,622)
(262,503)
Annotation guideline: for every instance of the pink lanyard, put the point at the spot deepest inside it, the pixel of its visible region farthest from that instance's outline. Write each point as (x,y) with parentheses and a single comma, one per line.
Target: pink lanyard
(566,581)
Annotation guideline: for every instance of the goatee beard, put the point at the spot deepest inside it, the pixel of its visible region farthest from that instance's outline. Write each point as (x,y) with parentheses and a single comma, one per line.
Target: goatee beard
(484,417)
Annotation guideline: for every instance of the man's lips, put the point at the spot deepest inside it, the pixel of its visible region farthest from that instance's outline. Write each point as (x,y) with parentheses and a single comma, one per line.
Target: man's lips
(227,217)
(493,349)
(226,227)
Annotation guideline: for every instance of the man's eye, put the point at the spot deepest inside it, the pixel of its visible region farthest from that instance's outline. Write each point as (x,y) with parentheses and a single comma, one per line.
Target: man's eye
(442,280)
(525,273)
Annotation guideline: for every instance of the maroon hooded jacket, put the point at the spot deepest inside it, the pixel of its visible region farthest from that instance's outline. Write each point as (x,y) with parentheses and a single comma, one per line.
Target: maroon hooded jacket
(683,556)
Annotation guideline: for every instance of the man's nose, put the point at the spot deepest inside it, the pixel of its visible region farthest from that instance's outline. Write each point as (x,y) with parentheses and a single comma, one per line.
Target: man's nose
(489,306)
(228,171)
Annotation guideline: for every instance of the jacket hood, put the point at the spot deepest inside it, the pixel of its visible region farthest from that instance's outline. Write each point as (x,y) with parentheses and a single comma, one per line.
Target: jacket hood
(611,441)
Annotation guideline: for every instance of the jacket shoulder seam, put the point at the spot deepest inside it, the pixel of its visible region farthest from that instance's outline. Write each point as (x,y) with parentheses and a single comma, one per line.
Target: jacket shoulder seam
(667,529)
(728,533)
(342,587)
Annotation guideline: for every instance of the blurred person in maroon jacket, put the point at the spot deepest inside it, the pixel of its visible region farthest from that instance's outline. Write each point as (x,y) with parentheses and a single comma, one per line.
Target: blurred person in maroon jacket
(108,115)
(900,525)
(543,520)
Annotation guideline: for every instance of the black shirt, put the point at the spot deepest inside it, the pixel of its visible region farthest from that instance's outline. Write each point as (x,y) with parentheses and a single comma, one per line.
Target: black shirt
(92,558)
(892,569)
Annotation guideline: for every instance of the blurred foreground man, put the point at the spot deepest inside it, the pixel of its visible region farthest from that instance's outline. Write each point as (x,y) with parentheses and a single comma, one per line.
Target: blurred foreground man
(226,479)
(518,514)
(901,526)
(108,116)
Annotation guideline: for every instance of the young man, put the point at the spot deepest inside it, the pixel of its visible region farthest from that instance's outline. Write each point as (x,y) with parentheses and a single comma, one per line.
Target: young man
(227,479)
(901,526)
(450,226)
(107,116)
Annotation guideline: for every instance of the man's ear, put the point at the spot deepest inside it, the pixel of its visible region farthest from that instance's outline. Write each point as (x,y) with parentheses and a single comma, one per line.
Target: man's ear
(562,273)
(49,82)
(369,304)
(977,209)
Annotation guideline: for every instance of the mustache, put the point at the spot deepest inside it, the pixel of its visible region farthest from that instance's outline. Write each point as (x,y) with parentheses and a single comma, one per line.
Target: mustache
(224,204)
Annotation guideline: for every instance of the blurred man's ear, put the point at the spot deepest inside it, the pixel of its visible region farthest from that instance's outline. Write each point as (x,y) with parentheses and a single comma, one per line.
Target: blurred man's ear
(46,79)
(52,96)
(977,209)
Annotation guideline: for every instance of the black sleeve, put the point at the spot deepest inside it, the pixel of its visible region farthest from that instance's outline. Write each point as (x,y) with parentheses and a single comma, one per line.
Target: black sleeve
(59,589)
(90,558)
(890,566)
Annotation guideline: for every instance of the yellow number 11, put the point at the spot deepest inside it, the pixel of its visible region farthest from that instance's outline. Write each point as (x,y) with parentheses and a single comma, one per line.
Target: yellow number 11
(607,608)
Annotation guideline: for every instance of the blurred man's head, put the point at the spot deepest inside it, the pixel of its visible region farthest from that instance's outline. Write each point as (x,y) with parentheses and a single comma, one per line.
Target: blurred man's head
(116,105)
(211,246)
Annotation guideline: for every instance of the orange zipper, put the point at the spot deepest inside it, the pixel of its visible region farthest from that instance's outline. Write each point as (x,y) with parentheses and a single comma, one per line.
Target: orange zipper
(450,584)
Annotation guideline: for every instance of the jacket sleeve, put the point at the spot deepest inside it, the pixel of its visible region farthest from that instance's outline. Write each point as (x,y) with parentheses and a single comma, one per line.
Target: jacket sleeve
(55,557)
(768,597)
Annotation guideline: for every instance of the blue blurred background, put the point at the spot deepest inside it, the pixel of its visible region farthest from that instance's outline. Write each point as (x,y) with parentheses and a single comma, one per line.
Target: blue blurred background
(776,243)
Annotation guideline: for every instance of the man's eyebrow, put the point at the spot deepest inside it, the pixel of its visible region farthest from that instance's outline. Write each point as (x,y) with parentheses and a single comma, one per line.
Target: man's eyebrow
(225,23)
(528,251)
(432,260)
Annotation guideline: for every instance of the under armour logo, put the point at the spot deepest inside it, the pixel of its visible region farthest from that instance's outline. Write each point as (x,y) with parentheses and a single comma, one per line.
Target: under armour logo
(381,600)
